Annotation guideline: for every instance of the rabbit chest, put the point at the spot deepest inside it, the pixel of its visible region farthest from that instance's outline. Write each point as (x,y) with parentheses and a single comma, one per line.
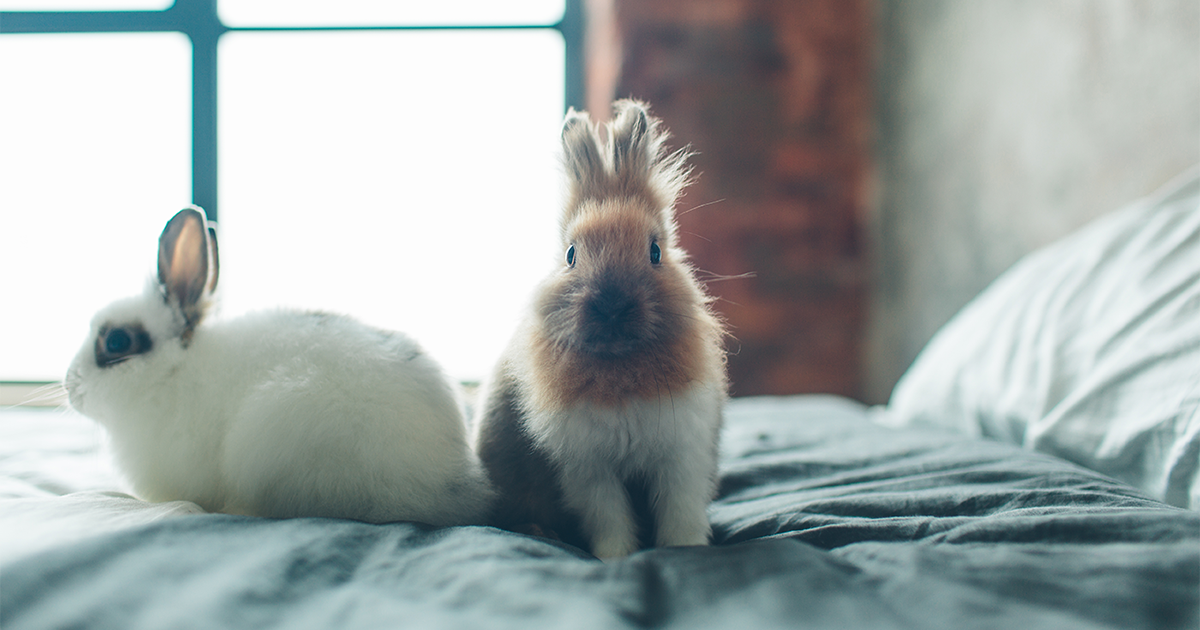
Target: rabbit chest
(635,435)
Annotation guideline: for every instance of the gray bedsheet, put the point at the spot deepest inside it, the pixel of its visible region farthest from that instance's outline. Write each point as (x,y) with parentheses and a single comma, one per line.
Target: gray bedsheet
(824,521)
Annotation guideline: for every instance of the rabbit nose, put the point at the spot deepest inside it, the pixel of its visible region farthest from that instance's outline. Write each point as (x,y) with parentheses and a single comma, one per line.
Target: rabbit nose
(612,305)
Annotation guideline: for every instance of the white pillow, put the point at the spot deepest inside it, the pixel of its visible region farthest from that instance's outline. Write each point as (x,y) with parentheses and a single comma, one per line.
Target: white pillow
(1088,349)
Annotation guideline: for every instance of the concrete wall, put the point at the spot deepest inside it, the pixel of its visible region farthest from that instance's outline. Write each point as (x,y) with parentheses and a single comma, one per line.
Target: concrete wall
(1003,125)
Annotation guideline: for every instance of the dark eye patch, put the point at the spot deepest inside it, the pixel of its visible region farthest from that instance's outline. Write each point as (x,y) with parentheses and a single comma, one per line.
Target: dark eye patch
(114,344)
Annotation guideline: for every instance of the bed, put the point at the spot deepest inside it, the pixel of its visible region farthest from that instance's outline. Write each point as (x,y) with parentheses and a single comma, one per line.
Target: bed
(1035,468)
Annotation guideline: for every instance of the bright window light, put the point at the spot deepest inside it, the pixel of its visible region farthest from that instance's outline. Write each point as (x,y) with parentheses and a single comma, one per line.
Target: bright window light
(95,150)
(243,13)
(409,178)
(406,177)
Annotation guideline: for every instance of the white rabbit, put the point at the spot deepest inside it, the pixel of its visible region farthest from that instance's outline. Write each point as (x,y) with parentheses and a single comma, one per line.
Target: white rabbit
(609,399)
(277,413)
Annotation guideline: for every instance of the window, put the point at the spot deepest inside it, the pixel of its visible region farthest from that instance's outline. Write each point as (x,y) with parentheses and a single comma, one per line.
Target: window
(391,160)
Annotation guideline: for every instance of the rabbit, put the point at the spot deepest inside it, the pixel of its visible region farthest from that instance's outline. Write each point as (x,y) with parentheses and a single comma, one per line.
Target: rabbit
(606,406)
(277,413)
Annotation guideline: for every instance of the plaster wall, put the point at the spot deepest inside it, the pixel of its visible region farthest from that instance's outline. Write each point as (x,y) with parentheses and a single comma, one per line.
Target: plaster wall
(1004,125)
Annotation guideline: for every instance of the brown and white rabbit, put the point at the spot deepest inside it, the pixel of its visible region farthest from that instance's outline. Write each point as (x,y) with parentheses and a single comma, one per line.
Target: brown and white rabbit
(276,413)
(609,397)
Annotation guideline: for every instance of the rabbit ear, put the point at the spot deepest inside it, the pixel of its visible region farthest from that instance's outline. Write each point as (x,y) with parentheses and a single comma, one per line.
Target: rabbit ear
(583,159)
(640,162)
(184,270)
(631,164)
(214,257)
(630,139)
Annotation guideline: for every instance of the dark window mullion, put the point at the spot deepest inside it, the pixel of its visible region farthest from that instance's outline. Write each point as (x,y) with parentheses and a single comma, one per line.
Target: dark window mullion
(85,22)
(199,20)
(573,27)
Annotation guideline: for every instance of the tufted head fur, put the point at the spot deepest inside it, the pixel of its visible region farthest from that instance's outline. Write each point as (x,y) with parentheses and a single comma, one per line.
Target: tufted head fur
(623,316)
(631,162)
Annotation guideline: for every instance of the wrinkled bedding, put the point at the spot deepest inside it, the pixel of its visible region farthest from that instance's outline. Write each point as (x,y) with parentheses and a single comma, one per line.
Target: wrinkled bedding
(824,520)
(1086,349)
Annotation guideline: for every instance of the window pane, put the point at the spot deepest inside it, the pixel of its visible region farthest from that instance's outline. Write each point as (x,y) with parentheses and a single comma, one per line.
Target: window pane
(84,5)
(388,12)
(408,178)
(94,155)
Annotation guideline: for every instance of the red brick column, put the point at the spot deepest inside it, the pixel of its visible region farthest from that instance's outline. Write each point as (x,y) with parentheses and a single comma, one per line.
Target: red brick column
(775,98)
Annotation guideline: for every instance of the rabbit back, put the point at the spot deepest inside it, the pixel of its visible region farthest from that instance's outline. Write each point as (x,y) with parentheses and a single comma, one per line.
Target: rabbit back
(347,420)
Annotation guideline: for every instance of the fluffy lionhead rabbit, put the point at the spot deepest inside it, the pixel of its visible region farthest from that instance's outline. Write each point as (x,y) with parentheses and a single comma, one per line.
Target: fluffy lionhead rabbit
(277,413)
(601,421)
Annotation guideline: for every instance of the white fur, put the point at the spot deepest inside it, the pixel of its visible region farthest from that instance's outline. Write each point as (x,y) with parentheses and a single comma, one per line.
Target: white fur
(670,439)
(281,414)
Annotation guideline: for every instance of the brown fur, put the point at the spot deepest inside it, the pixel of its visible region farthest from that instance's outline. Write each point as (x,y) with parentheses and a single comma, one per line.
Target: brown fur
(612,237)
(684,348)
(566,378)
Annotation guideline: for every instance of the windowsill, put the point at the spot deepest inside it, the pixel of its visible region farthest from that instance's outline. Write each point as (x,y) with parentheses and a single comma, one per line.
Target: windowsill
(32,394)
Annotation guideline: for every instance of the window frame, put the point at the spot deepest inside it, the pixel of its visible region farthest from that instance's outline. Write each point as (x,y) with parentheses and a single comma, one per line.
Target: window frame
(200,21)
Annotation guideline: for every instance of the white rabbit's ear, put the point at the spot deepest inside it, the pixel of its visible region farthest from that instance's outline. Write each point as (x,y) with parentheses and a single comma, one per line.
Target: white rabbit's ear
(185,271)
(214,257)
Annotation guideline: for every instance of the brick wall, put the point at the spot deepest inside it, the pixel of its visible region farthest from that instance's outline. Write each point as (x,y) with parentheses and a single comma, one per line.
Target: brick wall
(775,97)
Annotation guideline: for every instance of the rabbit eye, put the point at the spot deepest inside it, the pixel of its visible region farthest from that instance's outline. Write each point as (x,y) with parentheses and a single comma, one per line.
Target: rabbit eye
(655,253)
(571,256)
(118,341)
(114,345)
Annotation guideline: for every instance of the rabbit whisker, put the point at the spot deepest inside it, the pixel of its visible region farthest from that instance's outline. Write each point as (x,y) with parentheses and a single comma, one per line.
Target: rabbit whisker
(703,205)
(709,276)
(48,395)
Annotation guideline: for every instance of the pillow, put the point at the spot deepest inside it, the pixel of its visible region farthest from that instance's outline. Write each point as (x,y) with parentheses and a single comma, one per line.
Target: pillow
(1088,349)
